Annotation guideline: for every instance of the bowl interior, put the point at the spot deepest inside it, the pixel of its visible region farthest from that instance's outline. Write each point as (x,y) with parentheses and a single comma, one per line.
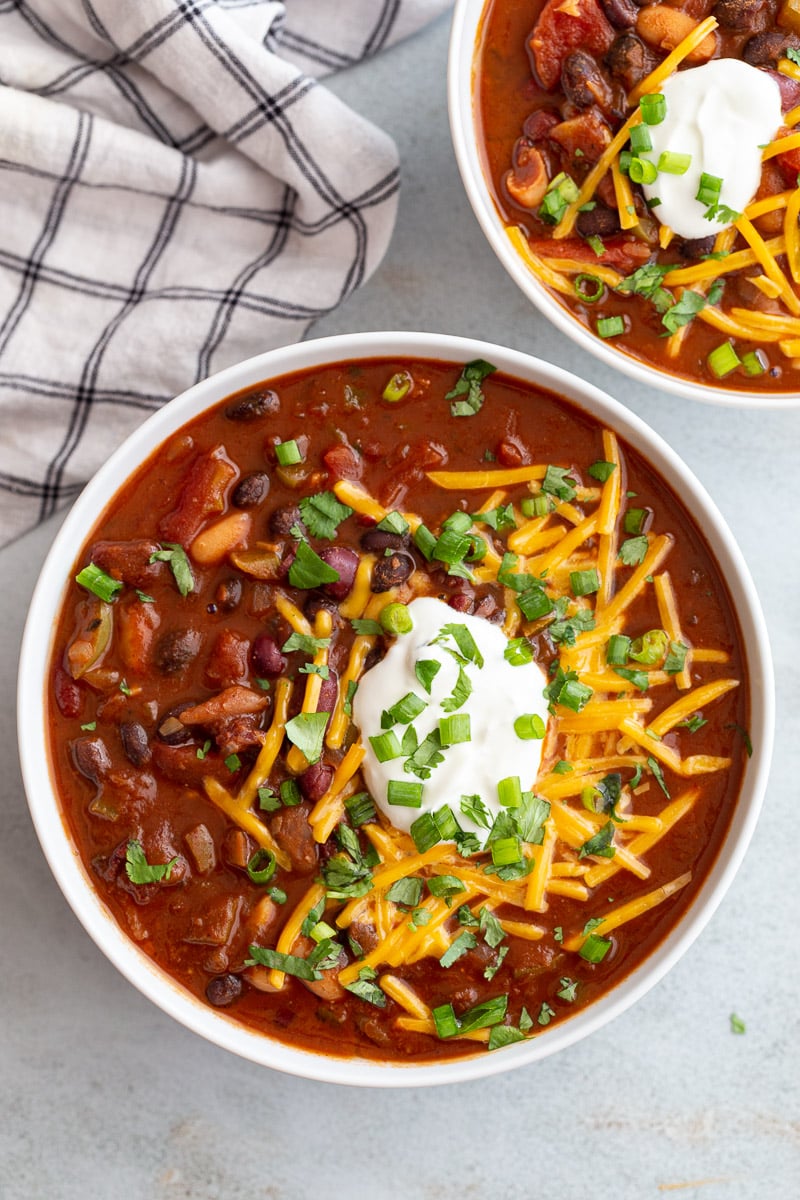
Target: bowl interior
(32,716)
(467,19)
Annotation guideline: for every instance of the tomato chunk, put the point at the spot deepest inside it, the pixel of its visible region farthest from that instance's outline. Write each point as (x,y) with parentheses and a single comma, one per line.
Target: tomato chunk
(564,26)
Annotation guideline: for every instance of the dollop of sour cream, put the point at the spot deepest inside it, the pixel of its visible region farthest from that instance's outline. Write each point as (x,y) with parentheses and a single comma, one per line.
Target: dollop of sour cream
(721,114)
(500,693)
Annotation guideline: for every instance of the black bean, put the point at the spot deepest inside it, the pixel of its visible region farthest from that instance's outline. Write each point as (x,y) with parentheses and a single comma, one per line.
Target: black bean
(583,82)
(91,757)
(253,407)
(315,782)
(391,571)
(344,561)
(742,15)
(229,594)
(600,221)
(621,13)
(135,742)
(282,519)
(266,657)
(375,541)
(315,603)
(176,649)
(698,247)
(223,990)
(250,491)
(376,655)
(629,60)
(171,731)
(765,49)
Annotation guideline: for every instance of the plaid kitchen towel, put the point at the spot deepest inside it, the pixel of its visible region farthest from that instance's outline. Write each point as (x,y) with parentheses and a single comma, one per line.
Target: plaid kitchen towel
(176,192)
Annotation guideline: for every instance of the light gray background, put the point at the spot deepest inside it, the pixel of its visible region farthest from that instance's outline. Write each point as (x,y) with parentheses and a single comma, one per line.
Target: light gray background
(103,1095)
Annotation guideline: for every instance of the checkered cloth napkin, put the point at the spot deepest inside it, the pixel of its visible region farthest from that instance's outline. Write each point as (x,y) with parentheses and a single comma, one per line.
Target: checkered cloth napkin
(176,192)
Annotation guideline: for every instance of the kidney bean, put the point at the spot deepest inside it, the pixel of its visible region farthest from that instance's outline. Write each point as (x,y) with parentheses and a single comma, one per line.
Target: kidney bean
(176,649)
(69,696)
(250,491)
(461,602)
(315,782)
(375,541)
(282,519)
(512,452)
(135,743)
(266,657)
(223,990)
(255,406)
(328,692)
(621,13)
(91,758)
(346,563)
(391,571)
(698,247)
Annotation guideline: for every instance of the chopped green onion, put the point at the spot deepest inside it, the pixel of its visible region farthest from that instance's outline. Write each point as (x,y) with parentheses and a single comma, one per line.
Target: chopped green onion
(589,289)
(404,711)
(650,648)
(595,948)
(723,359)
(446,823)
(444,1018)
(518,652)
(561,192)
(360,809)
(262,867)
(529,727)
(755,362)
(617,650)
(574,694)
(478,548)
(385,746)
(709,190)
(534,603)
(509,792)
(425,833)
(642,170)
(425,541)
(641,141)
(639,679)
(396,619)
(635,520)
(536,506)
(584,583)
(597,245)
(97,581)
(455,729)
(608,327)
(290,793)
(404,794)
(288,453)
(674,164)
(398,387)
(653,108)
(506,851)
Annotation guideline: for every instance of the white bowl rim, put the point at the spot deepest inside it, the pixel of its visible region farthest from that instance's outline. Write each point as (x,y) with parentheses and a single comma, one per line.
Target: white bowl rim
(463,38)
(63,857)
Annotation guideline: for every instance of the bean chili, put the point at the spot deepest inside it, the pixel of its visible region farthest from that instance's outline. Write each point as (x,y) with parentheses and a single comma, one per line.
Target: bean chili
(201,687)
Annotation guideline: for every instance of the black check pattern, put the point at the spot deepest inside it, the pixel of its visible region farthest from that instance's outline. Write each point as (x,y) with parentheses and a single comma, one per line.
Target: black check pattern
(177,192)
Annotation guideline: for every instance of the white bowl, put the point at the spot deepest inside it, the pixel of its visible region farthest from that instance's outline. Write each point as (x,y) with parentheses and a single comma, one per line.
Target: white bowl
(32,716)
(464,33)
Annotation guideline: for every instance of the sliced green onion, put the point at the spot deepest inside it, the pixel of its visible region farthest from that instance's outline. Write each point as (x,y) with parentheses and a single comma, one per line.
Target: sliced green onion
(617,650)
(709,190)
(288,453)
(535,506)
(478,548)
(360,809)
(608,327)
(97,581)
(444,1018)
(425,833)
(398,387)
(755,362)
(405,794)
(574,694)
(529,727)
(583,583)
(642,170)
(534,603)
(425,541)
(406,709)
(518,652)
(506,851)
(395,618)
(641,141)
(446,823)
(635,520)
(455,729)
(597,245)
(509,792)
(262,866)
(451,547)
(723,359)
(625,161)
(653,108)
(561,192)
(321,931)
(674,164)
(589,289)
(385,746)
(650,648)
(290,793)
(595,948)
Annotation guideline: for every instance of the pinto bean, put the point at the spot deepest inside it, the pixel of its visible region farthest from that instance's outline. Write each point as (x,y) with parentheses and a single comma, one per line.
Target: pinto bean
(175,649)
(665,27)
(266,657)
(600,221)
(392,570)
(255,406)
(251,491)
(135,742)
(344,561)
(538,124)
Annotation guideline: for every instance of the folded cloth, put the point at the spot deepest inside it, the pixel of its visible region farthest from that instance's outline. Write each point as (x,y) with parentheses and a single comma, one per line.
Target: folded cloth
(176,193)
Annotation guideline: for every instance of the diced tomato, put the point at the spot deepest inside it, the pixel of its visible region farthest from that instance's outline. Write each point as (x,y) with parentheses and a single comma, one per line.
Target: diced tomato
(202,495)
(789,163)
(342,461)
(623,254)
(564,26)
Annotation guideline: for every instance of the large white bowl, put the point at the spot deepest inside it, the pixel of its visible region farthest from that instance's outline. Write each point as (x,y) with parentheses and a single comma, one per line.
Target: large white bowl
(464,33)
(32,717)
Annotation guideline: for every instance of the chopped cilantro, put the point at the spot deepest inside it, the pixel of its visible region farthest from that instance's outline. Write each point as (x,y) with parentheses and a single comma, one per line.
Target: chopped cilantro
(633,551)
(176,557)
(308,570)
(323,513)
(139,870)
(468,385)
(306,731)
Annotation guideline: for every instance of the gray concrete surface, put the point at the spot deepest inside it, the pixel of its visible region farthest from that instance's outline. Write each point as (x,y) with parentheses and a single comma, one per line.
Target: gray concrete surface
(102,1095)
